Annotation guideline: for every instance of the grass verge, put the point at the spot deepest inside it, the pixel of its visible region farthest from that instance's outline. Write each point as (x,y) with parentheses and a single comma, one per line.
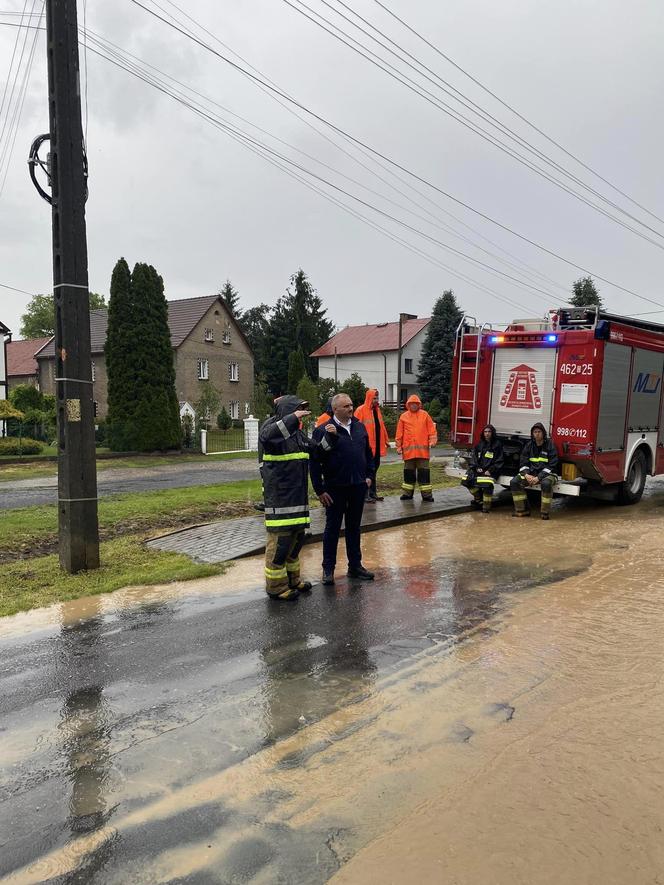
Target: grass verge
(33,530)
(125,562)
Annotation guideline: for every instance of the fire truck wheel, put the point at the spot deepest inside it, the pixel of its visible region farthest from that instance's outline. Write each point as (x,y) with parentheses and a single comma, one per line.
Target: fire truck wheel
(631,490)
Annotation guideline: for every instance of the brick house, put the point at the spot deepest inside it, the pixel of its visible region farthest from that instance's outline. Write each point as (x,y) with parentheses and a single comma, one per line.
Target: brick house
(22,367)
(208,348)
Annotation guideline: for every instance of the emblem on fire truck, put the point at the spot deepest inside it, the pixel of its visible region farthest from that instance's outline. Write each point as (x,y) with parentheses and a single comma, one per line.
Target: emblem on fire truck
(521,389)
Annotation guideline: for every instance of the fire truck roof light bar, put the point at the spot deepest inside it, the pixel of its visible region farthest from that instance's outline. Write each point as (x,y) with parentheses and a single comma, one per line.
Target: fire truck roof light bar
(523,339)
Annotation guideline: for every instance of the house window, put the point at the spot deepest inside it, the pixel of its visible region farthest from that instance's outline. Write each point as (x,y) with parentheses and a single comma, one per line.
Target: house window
(233,371)
(209,334)
(408,367)
(95,405)
(93,373)
(203,370)
(247,409)
(235,410)
(226,337)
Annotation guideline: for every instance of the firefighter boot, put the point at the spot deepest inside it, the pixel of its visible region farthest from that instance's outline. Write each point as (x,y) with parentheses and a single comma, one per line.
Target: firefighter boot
(293,566)
(519,497)
(408,484)
(547,497)
(424,480)
(476,492)
(487,498)
(277,585)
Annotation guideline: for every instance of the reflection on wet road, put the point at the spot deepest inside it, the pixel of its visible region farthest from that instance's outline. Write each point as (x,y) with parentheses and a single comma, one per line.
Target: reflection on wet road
(224,738)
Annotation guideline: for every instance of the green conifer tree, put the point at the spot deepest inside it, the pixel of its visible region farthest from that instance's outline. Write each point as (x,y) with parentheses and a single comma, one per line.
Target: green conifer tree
(585,293)
(232,298)
(143,412)
(435,369)
(121,342)
(296,369)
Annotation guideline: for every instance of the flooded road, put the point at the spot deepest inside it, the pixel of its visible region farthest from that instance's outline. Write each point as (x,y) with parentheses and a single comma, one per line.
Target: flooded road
(490,710)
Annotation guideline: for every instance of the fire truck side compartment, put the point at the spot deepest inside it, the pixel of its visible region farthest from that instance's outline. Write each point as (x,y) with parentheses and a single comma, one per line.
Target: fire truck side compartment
(613,400)
(646,391)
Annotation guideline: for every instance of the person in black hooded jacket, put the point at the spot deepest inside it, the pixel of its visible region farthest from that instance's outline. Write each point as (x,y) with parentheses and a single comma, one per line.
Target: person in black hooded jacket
(285,451)
(539,462)
(484,469)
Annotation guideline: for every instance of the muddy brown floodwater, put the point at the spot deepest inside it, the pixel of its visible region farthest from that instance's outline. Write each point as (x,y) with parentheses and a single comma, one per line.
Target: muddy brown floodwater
(521,743)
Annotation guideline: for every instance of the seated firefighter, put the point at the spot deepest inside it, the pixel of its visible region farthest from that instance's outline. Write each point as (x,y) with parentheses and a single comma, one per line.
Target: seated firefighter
(285,474)
(539,462)
(484,469)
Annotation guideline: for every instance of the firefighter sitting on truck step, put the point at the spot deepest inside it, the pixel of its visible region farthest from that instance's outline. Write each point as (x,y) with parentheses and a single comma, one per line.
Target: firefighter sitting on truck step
(485,465)
(539,462)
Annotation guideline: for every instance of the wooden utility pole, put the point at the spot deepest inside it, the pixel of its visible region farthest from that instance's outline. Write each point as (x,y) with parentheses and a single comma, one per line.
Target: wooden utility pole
(77,477)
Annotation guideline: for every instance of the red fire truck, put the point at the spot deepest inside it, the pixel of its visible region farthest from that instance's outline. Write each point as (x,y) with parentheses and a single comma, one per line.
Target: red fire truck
(592,378)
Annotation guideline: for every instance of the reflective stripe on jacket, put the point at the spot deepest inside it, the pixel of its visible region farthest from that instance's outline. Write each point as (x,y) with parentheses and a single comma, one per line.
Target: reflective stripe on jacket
(416,432)
(367,415)
(488,456)
(538,460)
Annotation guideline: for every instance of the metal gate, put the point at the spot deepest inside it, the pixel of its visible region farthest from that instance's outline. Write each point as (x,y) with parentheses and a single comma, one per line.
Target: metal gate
(219,441)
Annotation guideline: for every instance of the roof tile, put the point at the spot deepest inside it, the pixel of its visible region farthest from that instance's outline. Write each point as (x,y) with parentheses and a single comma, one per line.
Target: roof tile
(371,338)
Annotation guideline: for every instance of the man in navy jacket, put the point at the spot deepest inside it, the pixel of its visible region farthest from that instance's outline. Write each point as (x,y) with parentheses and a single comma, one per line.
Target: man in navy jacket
(341,477)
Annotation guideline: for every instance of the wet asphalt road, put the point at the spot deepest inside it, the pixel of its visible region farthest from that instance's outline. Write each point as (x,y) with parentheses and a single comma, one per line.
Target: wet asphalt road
(110,481)
(103,716)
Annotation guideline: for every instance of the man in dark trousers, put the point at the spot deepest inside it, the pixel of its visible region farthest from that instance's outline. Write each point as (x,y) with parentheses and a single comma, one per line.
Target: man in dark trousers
(340,477)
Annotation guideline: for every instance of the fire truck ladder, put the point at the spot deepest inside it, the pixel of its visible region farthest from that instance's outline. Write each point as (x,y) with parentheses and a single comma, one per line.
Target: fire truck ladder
(469,366)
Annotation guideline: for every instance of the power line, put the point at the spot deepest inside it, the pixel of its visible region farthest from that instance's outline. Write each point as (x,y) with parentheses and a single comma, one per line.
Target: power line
(359,48)
(284,162)
(513,110)
(377,163)
(389,160)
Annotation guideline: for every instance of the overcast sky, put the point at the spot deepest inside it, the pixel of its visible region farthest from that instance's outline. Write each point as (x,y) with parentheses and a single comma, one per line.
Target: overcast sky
(169,188)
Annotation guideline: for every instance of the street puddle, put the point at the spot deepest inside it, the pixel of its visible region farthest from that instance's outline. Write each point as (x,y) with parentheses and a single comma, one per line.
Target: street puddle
(490,709)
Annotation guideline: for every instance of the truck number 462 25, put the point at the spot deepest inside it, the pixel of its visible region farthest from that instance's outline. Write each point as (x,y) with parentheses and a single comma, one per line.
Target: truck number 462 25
(576,369)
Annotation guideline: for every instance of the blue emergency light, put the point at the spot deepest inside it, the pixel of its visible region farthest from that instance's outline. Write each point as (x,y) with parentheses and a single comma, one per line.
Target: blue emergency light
(552,338)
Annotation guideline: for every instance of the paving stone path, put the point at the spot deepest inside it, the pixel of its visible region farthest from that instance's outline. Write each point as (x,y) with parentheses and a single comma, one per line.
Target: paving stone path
(233,538)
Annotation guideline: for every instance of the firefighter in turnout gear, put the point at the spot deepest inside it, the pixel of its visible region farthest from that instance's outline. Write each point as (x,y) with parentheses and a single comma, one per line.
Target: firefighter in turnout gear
(539,462)
(285,456)
(484,468)
(415,435)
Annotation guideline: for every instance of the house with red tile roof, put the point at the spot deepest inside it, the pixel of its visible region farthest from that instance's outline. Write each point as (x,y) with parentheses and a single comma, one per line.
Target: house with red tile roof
(372,351)
(22,367)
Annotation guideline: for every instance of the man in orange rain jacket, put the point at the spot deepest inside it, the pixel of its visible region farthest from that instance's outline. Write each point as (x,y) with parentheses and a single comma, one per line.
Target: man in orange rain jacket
(371,416)
(416,433)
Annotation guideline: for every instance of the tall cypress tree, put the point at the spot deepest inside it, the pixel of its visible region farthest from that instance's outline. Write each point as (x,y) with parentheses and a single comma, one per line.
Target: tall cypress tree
(435,370)
(120,346)
(143,412)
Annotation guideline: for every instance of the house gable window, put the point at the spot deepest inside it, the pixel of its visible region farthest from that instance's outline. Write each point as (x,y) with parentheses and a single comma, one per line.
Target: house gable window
(233,371)
(235,410)
(408,367)
(209,335)
(203,370)
(226,336)
(93,373)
